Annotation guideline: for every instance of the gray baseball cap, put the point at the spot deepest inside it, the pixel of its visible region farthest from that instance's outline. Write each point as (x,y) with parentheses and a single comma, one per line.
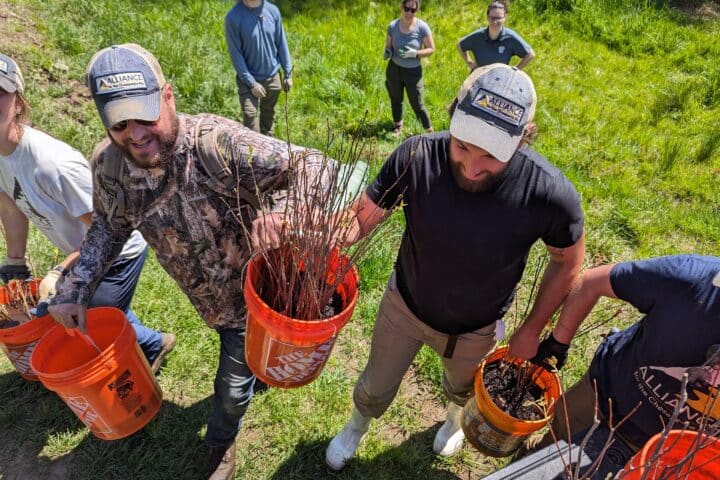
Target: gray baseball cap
(125,82)
(495,103)
(11,79)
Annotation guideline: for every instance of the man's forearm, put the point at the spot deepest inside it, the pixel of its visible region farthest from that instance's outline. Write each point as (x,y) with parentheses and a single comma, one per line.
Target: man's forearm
(15,227)
(99,249)
(595,283)
(576,308)
(557,281)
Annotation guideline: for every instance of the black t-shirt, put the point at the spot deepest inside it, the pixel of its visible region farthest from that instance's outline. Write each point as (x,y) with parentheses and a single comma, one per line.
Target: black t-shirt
(463,253)
(645,362)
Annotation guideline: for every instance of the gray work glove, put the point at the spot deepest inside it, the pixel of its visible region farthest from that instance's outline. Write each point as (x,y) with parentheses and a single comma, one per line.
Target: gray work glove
(387,53)
(287,84)
(14,269)
(408,53)
(258,90)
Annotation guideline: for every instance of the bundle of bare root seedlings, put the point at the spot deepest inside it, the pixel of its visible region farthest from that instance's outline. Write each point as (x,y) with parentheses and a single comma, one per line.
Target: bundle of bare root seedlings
(304,268)
(17,310)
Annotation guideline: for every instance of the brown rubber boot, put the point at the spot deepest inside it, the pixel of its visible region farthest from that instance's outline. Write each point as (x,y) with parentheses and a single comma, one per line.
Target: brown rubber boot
(168,343)
(221,462)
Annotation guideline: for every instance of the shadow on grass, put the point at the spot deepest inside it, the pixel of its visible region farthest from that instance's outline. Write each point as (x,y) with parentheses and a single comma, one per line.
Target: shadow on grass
(35,424)
(378,129)
(412,459)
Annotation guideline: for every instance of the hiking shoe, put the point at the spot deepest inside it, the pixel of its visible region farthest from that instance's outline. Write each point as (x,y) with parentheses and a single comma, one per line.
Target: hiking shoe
(397,130)
(168,343)
(221,462)
(449,439)
(342,448)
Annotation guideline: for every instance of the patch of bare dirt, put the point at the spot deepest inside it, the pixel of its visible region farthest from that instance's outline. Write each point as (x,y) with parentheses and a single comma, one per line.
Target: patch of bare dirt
(19,35)
(698,9)
(16,27)
(428,411)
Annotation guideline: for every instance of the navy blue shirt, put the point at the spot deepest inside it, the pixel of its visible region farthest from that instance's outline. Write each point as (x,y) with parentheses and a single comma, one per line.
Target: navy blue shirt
(463,254)
(645,362)
(487,51)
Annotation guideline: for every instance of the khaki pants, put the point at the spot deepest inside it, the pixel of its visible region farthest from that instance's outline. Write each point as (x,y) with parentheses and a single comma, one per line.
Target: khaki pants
(397,338)
(250,104)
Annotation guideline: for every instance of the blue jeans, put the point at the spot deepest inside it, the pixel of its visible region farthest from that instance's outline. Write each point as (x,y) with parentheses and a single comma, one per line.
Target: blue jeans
(234,386)
(116,289)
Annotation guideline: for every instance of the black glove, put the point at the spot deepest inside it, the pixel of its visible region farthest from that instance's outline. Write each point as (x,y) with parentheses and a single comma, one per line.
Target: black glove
(14,269)
(551,354)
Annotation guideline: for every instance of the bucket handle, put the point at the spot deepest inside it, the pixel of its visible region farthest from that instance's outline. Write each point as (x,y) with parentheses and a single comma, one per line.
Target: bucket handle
(90,342)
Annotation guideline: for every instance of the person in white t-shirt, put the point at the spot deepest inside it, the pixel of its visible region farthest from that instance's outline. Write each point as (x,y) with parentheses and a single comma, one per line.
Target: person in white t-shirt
(48,183)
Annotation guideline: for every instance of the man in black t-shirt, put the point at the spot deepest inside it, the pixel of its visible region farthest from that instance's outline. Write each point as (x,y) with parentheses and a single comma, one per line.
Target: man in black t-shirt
(475,200)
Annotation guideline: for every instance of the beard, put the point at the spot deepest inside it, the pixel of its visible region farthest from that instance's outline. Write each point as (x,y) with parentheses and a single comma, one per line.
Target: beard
(166,146)
(487,183)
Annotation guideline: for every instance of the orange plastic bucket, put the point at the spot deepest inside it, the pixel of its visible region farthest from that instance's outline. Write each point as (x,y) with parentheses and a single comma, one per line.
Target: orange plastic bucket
(115,394)
(704,465)
(18,342)
(492,431)
(286,352)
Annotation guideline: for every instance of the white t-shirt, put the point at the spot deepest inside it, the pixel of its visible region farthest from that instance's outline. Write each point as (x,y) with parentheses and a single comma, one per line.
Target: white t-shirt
(51,184)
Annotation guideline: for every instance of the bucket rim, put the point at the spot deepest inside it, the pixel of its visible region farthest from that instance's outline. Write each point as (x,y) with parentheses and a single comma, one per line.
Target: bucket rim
(84,369)
(674,436)
(33,284)
(25,328)
(509,422)
(255,297)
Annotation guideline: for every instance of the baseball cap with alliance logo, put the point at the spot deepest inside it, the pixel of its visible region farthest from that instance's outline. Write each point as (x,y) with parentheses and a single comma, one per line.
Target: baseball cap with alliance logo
(495,103)
(126,82)
(11,79)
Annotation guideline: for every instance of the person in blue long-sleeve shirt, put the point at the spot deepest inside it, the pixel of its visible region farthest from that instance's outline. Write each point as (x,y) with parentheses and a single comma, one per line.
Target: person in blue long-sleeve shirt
(258,49)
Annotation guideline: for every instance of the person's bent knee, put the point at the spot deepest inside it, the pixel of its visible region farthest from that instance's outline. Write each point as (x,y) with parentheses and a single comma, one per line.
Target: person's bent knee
(370,404)
(234,400)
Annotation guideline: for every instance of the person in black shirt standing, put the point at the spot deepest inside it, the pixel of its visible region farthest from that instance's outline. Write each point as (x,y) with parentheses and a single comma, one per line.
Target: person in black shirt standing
(475,200)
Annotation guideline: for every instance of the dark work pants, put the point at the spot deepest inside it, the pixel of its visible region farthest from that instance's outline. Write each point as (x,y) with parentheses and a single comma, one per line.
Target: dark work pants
(259,113)
(234,387)
(116,289)
(398,80)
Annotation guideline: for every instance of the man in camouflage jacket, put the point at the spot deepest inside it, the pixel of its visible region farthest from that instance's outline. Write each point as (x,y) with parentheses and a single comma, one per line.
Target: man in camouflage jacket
(149,176)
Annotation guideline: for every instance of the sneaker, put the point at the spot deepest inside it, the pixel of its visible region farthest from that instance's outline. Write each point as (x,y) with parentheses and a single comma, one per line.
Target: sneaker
(221,462)
(343,447)
(449,439)
(168,343)
(397,130)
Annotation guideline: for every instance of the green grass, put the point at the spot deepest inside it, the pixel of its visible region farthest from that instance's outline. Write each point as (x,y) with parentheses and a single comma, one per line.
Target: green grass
(628,108)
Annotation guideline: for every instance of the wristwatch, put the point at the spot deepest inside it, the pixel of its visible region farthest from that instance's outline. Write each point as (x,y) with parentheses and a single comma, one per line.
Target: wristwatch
(63,271)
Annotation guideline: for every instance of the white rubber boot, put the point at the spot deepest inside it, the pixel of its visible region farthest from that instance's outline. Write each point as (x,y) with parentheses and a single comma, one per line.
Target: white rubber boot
(449,439)
(342,448)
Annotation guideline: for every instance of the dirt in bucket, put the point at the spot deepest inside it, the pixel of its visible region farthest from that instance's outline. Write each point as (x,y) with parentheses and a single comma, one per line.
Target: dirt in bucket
(17,311)
(513,390)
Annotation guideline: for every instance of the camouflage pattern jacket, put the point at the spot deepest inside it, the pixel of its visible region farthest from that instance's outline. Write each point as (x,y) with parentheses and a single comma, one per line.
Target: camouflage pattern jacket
(197,229)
